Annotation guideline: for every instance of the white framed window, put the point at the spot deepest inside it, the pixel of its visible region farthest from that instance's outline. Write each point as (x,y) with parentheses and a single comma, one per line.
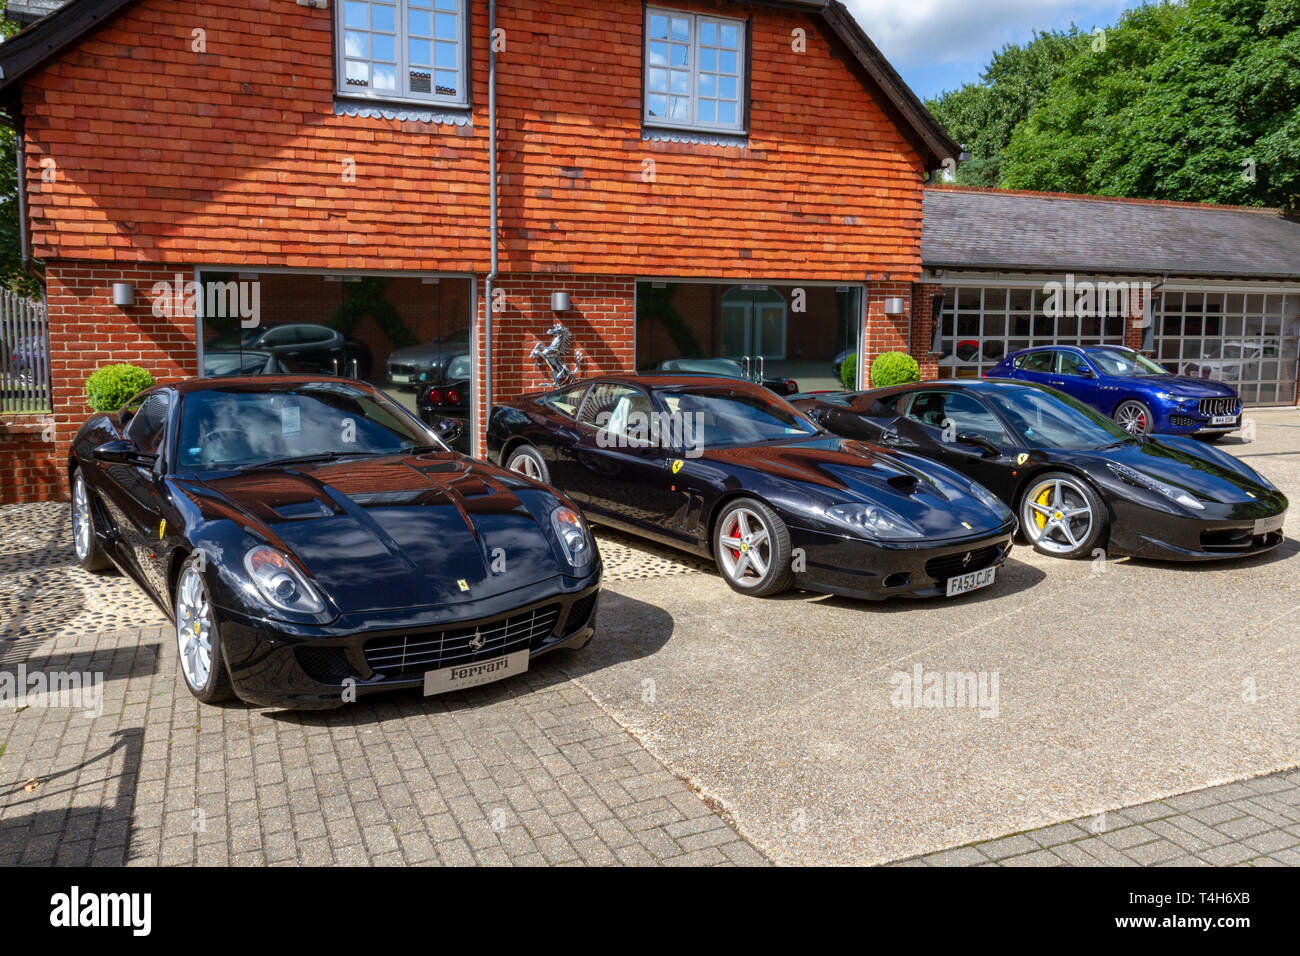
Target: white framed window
(403,50)
(694,71)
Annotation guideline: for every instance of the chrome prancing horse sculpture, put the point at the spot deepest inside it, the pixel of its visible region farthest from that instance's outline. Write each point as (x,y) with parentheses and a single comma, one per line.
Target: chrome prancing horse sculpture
(552,356)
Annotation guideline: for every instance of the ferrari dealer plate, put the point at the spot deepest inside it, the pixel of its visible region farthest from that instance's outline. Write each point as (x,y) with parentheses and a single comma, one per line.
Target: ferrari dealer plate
(971,582)
(473,675)
(1265,525)
(1223,420)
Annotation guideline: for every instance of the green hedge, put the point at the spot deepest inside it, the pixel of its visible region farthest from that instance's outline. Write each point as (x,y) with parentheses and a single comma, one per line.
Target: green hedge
(894,368)
(849,372)
(112,386)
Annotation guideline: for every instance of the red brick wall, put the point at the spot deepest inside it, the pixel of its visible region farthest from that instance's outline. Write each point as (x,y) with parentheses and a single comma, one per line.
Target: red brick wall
(28,469)
(235,155)
(601,318)
(86,332)
(884,333)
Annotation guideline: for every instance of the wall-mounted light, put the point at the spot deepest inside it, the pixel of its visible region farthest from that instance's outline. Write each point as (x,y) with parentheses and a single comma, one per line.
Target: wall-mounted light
(560,302)
(895,306)
(123,294)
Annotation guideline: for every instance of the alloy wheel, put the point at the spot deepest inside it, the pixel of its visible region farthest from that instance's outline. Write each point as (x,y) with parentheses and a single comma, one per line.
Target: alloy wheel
(1132,417)
(526,465)
(81,526)
(1057,516)
(194,628)
(745,547)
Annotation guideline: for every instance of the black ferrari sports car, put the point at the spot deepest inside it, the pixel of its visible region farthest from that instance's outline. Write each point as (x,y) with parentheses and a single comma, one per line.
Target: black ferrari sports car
(313,541)
(1078,481)
(727,469)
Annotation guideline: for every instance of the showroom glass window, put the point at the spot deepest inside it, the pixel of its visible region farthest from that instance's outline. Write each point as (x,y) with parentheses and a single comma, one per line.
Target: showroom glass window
(403,50)
(982,324)
(694,71)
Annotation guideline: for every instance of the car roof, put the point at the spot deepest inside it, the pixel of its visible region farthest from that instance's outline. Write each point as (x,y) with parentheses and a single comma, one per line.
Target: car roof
(656,381)
(259,383)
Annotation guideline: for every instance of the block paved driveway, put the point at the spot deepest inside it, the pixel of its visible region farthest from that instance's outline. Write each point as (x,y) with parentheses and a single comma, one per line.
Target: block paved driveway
(697,731)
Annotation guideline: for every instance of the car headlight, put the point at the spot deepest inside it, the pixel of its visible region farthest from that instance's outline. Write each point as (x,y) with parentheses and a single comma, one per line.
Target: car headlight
(990,500)
(1136,477)
(280,583)
(572,532)
(873,521)
(1165,396)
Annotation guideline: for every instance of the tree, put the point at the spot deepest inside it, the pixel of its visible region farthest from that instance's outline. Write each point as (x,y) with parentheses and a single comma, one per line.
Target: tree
(983,115)
(1196,101)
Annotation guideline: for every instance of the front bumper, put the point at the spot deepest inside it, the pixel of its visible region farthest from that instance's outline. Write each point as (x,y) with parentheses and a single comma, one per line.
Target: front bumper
(1139,532)
(852,567)
(1191,422)
(321,668)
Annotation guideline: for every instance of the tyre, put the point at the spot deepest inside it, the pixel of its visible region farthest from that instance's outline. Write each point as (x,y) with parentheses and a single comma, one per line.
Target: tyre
(751,545)
(1062,515)
(528,461)
(84,539)
(1134,417)
(198,638)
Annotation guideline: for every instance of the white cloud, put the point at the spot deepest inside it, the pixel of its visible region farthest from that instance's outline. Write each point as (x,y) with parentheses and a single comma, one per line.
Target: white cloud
(917,32)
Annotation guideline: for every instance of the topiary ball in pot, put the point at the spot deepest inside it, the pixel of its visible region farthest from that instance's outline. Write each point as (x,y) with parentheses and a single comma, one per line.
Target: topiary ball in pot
(112,386)
(894,368)
(849,371)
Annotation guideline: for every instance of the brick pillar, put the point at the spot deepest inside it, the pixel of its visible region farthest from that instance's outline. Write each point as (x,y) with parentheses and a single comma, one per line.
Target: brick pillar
(923,294)
(880,332)
(601,318)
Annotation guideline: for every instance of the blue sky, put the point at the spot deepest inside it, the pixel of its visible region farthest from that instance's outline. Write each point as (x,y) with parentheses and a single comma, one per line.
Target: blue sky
(938,45)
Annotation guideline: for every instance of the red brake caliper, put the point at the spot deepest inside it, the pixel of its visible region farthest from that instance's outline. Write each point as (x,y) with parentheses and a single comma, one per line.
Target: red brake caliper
(735,552)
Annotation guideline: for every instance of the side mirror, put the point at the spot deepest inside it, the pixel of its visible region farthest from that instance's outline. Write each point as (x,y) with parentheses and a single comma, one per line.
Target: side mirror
(1083,370)
(979,441)
(123,452)
(450,430)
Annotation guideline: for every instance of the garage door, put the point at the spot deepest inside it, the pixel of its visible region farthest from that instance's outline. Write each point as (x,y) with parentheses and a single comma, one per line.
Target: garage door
(1248,339)
(981,324)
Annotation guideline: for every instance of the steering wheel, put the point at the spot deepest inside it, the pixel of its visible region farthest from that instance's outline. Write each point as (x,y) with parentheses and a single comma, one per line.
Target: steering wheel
(221,434)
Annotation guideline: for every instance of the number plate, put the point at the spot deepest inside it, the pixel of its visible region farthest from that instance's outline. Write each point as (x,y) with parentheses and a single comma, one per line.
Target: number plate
(401,379)
(474,675)
(1223,420)
(1265,525)
(971,582)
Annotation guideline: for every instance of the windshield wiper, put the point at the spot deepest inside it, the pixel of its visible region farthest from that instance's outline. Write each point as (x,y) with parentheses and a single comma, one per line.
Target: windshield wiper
(323,458)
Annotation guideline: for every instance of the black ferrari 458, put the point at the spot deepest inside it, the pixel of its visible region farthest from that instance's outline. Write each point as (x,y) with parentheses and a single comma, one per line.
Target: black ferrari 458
(313,541)
(727,469)
(1078,481)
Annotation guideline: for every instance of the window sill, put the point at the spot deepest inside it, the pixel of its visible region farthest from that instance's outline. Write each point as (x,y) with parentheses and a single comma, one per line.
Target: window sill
(405,110)
(652,132)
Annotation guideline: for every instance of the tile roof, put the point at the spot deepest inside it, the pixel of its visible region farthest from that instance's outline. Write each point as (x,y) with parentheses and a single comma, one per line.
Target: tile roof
(1006,230)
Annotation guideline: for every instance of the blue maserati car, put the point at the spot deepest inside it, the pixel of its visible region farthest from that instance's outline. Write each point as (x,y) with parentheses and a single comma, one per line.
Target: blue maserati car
(1133,390)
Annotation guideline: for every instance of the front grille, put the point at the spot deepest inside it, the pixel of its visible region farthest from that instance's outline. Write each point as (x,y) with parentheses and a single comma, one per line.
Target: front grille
(326,665)
(1228,540)
(397,657)
(951,565)
(1182,421)
(580,614)
(1220,406)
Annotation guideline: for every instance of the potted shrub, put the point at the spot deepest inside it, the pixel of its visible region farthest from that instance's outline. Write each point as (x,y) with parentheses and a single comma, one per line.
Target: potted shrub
(111,387)
(894,368)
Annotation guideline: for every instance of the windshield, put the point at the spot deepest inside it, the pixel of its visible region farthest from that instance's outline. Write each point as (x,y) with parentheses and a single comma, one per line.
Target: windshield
(733,417)
(1124,362)
(1048,420)
(234,428)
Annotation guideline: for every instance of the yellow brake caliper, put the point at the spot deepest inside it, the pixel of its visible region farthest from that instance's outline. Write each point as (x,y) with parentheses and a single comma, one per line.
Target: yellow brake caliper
(1042,499)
